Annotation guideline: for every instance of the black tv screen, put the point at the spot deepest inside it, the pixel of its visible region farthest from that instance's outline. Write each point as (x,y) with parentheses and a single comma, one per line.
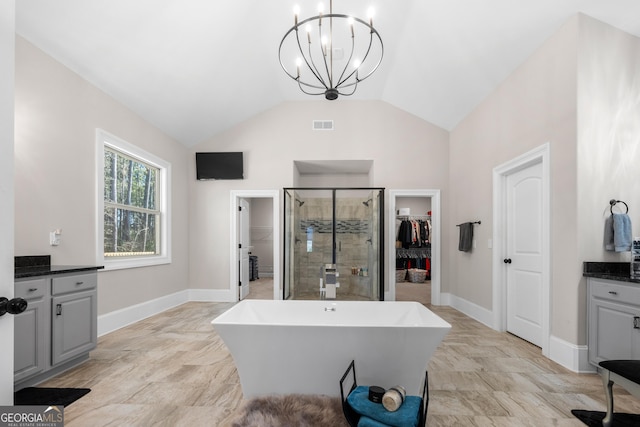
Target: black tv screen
(225,165)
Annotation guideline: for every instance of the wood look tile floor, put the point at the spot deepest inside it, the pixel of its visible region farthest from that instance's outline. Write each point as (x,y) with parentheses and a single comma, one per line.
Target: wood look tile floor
(173,370)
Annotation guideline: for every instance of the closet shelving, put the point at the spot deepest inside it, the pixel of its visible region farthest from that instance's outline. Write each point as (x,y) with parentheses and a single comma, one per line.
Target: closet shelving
(417,252)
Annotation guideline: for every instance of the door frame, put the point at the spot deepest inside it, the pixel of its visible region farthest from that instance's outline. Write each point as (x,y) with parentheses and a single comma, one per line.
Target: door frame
(541,154)
(436,269)
(235,196)
(241,226)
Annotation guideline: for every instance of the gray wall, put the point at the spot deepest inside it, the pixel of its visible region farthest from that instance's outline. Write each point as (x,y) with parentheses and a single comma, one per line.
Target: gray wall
(407,153)
(533,106)
(57,114)
(608,149)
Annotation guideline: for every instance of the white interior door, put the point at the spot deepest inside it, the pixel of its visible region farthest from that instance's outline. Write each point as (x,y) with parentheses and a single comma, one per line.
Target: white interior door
(243,254)
(524,254)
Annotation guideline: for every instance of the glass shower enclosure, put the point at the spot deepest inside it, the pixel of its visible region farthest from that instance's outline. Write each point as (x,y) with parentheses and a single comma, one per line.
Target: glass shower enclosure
(336,228)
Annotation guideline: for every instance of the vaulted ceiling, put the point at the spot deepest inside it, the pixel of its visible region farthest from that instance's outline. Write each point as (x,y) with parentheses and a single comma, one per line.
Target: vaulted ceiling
(194,68)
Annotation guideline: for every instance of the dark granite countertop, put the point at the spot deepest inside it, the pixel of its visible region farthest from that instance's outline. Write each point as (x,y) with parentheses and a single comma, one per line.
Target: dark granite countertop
(40,265)
(21,273)
(609,270)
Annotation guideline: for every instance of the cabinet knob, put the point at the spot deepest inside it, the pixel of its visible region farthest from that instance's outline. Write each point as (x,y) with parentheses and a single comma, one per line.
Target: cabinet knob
(636,322)
(33,289)
(613,293)
(79,283)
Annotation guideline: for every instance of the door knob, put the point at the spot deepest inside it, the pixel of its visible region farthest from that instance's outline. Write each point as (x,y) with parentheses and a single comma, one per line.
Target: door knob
(13,306)
(507,260)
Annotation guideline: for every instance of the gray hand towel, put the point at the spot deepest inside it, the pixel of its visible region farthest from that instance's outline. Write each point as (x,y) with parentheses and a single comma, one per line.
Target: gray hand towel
(466,237)
(622,237)
(608,234)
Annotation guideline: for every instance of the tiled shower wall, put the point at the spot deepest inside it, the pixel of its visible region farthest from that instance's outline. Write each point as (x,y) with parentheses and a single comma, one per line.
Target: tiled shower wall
(355,225)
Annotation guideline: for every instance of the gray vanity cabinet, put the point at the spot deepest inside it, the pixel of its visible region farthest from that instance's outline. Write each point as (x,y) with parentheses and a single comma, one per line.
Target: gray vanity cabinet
(613,320)
(59,327)
(74,316)
(30,350)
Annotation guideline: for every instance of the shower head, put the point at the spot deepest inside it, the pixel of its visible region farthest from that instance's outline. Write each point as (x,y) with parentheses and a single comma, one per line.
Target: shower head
(367,202)
(300,202)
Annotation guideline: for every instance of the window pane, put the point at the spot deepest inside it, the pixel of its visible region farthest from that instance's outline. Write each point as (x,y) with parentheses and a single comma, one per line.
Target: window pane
(130,233)
(109,176)
(129,182)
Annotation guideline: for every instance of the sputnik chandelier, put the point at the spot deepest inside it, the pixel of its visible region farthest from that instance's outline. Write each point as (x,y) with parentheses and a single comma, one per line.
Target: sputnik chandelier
(333,54)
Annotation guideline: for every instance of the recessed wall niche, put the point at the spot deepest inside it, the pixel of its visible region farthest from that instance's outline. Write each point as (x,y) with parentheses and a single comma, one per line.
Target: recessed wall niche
(332,173)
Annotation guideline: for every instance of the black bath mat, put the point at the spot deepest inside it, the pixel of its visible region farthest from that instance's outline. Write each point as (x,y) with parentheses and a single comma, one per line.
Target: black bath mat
(594,418)
(48,396)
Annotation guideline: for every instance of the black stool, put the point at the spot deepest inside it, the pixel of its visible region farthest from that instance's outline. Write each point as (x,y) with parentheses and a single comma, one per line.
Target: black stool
(625,373)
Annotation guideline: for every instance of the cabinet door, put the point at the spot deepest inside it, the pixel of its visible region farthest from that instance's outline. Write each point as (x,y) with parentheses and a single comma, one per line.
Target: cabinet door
(29,341)
(612,334)
(74,325)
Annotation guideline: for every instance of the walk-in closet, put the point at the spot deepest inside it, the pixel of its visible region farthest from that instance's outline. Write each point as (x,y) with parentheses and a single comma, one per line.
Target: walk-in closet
(413,231)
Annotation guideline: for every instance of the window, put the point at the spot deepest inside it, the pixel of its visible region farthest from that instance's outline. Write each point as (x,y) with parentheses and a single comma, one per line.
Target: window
(133,211)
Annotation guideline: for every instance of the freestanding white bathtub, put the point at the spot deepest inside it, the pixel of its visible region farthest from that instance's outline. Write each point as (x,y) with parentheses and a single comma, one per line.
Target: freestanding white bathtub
(285,347)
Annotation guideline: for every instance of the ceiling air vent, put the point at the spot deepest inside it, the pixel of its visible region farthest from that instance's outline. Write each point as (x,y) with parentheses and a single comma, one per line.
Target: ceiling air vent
(323,125)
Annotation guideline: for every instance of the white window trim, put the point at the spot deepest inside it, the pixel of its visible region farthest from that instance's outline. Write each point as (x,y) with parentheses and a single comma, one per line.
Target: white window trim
(103,139)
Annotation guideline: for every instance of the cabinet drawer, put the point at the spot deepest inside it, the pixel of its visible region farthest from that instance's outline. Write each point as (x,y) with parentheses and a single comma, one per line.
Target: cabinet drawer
(31,289)
(75,283)
(616,292)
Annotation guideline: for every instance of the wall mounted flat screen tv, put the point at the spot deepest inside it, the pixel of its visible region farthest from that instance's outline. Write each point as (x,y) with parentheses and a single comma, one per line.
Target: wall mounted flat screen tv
(224,165)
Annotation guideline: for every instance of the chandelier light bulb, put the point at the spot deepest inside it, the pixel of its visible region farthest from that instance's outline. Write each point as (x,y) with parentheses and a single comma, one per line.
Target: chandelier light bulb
(356,63)
(296,13)
(370,12)
(298,64)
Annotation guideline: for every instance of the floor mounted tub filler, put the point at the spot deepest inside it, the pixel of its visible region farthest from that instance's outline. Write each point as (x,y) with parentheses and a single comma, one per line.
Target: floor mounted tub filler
(286,347)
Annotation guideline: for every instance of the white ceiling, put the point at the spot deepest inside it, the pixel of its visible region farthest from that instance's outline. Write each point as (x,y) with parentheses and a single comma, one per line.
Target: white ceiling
(194,68)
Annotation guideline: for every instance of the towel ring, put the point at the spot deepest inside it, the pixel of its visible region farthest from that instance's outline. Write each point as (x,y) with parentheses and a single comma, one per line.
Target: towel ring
(613,202)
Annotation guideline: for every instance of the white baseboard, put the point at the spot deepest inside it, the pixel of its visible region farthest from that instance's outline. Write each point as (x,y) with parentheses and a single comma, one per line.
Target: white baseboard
(115,320)
(472,310)
(211,295)
(571,356)
(120,318)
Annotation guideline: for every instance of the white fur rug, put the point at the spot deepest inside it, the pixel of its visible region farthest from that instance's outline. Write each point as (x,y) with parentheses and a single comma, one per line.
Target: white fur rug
(294,410)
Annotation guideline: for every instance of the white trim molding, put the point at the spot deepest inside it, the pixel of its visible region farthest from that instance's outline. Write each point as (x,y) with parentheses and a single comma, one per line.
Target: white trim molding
(234,200)
(472,310)
(541,154)
(436,240)
(104,138)
(571,356)
(115,320)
